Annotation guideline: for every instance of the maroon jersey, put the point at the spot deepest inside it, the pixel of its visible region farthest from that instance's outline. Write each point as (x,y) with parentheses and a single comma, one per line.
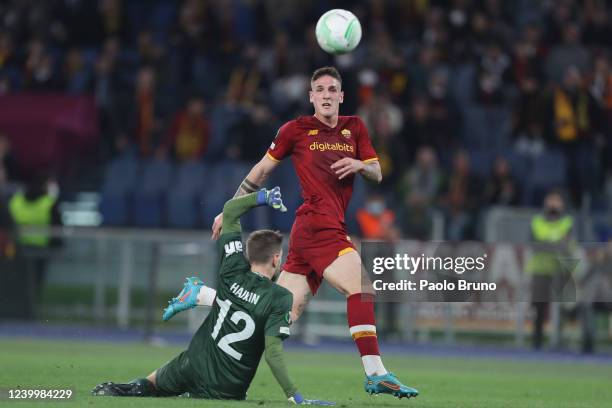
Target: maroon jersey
(314,147)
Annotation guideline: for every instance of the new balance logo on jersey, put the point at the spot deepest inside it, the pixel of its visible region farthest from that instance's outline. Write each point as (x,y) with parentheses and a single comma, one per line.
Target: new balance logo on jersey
(232,248)
(242,293)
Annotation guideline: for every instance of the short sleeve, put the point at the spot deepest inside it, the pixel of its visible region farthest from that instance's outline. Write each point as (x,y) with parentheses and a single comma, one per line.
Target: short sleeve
(282,145)
(231,254)
(279,321)
(365,150)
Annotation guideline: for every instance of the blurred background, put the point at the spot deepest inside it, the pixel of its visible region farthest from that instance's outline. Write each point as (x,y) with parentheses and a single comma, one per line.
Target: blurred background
(125,126)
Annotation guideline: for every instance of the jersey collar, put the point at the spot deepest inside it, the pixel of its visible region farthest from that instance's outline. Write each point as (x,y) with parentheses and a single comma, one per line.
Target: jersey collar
(323,126)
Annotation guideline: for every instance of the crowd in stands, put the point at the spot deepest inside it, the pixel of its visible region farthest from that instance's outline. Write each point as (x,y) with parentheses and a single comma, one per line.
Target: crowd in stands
(470,103)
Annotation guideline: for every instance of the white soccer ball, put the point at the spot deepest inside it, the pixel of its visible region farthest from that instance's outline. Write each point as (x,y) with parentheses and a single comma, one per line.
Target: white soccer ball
(338,31)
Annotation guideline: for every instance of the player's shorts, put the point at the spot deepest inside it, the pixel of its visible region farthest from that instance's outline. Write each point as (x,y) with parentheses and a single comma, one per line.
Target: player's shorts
(316,241)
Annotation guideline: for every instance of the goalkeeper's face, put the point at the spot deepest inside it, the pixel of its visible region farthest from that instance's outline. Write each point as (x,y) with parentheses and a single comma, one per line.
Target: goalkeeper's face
(326,96)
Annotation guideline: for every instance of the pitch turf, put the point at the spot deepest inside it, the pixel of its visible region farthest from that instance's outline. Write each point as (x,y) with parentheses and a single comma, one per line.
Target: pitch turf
(443,382)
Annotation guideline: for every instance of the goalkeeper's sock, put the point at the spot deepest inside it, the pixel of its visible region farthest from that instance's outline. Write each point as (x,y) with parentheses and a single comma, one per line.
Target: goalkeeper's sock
(362,325)
(140,387)
(206,296)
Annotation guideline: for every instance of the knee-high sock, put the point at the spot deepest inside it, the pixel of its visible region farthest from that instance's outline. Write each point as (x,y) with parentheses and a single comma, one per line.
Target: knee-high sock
(362,325)
(206,296)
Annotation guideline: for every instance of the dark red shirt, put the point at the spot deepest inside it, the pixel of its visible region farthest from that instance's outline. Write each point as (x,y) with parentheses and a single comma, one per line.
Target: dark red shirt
(314,147)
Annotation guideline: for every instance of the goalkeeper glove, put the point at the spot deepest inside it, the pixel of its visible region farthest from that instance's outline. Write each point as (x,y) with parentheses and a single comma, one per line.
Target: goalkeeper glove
(298,399)
(271,198)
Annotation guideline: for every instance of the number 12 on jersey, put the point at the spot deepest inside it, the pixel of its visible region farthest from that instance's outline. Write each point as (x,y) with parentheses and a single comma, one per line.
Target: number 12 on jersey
(237,316)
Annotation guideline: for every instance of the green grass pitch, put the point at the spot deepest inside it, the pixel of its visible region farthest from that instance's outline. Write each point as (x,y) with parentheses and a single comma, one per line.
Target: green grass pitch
(443,382)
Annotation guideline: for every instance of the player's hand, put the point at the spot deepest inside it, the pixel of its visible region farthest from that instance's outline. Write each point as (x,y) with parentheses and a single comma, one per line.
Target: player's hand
(216,227)
(346,167)
(272,198)
(298,399)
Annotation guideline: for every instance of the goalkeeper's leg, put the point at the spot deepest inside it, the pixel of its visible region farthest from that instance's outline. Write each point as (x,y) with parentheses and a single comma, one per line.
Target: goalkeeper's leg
(140,387)
(170,380)
(194,293)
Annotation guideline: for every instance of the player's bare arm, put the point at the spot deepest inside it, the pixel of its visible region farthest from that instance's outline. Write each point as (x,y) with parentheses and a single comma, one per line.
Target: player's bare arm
(251,183)
(347,166)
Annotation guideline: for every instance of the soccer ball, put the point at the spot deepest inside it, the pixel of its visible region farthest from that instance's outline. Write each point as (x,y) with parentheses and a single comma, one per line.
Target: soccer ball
(338,31)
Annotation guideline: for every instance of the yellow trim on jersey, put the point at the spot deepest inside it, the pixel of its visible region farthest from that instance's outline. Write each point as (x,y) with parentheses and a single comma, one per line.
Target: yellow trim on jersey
(272,157)
(361,334)
(370,160)
(345,251)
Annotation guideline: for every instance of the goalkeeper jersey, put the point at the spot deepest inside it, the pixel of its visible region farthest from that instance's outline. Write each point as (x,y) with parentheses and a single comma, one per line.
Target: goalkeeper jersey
(226,350)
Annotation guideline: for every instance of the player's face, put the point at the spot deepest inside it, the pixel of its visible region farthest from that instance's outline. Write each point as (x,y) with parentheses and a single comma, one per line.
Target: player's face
(326,96)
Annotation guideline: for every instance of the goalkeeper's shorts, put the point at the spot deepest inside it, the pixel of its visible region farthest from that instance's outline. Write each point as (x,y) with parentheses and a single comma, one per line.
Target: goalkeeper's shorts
(179,376)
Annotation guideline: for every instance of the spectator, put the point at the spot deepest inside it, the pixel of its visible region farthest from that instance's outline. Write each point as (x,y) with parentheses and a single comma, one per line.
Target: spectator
(573,123)
(376,221)
(601,90)
(148,51)
(39,71)
(7,52)
(252,133)
(385,121)
(527,57)
(492,75)
(596,23)
(420,185)
(528,117)
(189,132)
(418,189)
(501,188)
(567,54)
(76,76)
(423,129)
(460,200)
(77,23)
(427,62)
(107,86)
(146,123)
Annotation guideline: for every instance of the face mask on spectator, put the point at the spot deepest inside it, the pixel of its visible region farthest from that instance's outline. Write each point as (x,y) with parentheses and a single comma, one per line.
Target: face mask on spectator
(375,207)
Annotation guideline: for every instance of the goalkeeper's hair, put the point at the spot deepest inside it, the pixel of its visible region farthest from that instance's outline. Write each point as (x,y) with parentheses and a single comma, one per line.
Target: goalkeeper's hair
(331,71)
(262,245)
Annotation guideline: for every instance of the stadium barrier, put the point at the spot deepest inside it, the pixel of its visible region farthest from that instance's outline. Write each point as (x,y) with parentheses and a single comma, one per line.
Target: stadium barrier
(122,277)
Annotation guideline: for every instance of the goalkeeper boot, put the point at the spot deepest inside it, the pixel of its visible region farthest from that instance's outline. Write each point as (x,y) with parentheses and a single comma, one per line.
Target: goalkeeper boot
(137,388)
(388,384)
(187,299)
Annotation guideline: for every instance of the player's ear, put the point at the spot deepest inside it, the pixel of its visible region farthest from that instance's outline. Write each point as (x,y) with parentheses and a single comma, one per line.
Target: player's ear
(277,258)
(341,96)
(310,96)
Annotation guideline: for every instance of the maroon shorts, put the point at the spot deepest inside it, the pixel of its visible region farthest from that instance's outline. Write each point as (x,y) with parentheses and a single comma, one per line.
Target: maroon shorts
(315,242)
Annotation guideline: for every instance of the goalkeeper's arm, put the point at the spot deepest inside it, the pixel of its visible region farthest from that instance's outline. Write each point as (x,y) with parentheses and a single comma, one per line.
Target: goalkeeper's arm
(276,361)
(236,207)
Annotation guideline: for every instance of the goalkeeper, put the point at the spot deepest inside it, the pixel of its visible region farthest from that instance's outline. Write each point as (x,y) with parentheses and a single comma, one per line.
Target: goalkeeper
(250,315)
